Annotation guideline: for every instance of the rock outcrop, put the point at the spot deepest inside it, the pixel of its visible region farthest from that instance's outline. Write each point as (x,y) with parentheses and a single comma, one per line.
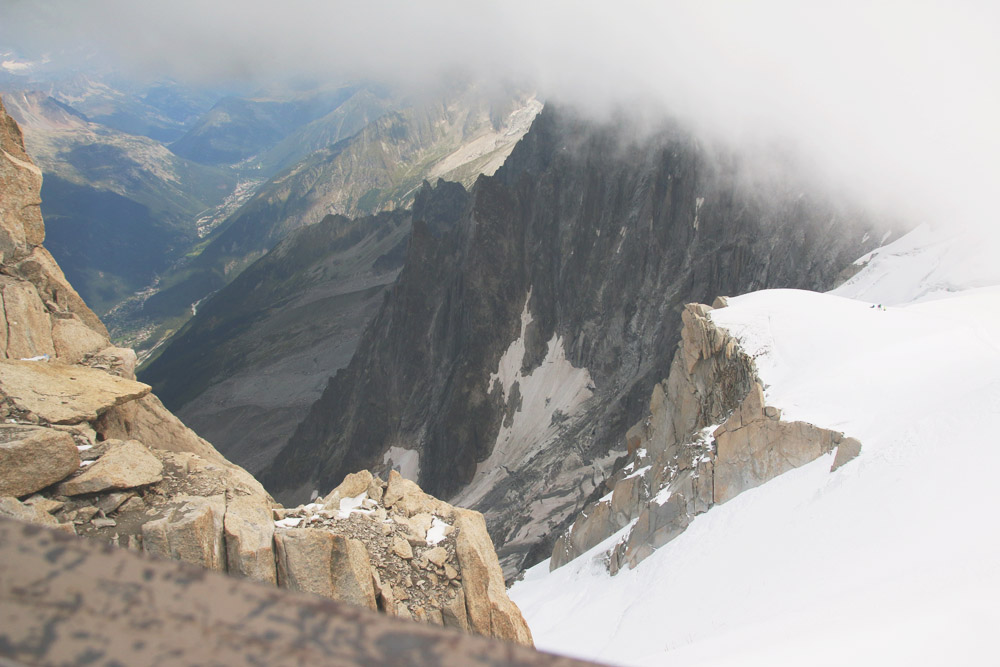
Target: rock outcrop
(86,449)
(525,332)
(707,438)
(388,545)
(65,601)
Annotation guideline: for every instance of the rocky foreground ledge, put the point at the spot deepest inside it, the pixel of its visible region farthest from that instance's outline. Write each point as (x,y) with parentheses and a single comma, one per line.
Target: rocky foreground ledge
(707,438)
(88,450)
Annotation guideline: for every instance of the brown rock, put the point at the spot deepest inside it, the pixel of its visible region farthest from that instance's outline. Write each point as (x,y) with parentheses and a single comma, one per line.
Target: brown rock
(402,548)
(63,394)
(44,504)
(15,509)
(249,533)
(74,340)
(383,593)
(437,555)
(490,611)
(126,465)
(33,458)
(191,532)
(847,450)
(319,562)
(406,497)
(28,327)
(453,612)
(41,270)
(353,485)
(148,421)
(112,501)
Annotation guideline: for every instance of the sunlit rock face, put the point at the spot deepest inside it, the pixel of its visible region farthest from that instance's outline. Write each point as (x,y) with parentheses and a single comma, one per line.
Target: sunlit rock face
(536,311)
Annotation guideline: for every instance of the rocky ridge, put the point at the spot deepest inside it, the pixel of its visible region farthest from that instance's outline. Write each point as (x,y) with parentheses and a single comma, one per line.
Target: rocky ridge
(87,449)
(523,336)
(707,438)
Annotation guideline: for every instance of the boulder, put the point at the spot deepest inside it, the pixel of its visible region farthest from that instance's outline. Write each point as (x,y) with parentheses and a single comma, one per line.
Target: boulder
(490,611)
(125,465)
(319,562)
(249,534)
(73,340)
(33,458)
(149,421)
(13,508)
(847,450)
(353,485)
(408,498)
(191,532)
(62,394)
(453,613)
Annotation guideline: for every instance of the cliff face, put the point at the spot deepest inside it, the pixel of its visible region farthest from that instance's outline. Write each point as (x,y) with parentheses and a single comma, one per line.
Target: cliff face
(88,450)
(523,338)
(244,371)
(707,438)
(456,135)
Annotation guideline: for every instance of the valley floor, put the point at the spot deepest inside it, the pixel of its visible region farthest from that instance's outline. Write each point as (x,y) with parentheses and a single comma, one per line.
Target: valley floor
(889,560)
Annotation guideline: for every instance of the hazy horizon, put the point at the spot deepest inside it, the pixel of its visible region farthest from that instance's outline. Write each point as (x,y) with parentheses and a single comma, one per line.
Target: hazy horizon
(896,101)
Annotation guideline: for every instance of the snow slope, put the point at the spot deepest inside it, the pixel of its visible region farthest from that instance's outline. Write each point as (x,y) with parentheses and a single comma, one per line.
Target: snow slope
(892,559)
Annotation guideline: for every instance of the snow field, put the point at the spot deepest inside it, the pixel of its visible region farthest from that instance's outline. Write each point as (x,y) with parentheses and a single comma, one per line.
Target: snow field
(889,560)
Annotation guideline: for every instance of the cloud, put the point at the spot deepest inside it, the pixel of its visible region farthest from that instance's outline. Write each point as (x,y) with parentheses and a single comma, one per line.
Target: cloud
(897,100)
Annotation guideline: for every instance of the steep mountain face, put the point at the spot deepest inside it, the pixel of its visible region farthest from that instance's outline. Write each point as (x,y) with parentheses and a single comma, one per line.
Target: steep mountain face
(521,340)
(905,358)
(455,136)
(120,208)
(245,369)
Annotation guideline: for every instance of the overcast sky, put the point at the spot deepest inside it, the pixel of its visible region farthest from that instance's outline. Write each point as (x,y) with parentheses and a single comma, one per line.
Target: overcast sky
(899,99)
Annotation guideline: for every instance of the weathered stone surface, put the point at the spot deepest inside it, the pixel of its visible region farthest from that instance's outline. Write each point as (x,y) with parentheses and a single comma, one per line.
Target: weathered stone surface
(402,548)
(319,562)
(847,450)
(28,328)
(14,509)
(126,465)
(34,458)
(148,421)
(591,527)
(21,224)
(694,463)
(40,269)
(353,485)
(437,556)
(73,340)
(489,610)
(120,360)
(453,613)
(44,504)
(407,497)
(73,592)
(752,448)
(112,501)
(63,394)
(249,533)
(192,532)
(720,302)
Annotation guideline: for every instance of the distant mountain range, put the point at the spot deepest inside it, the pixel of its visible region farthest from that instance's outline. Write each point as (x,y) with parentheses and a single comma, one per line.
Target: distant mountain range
(157,195)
